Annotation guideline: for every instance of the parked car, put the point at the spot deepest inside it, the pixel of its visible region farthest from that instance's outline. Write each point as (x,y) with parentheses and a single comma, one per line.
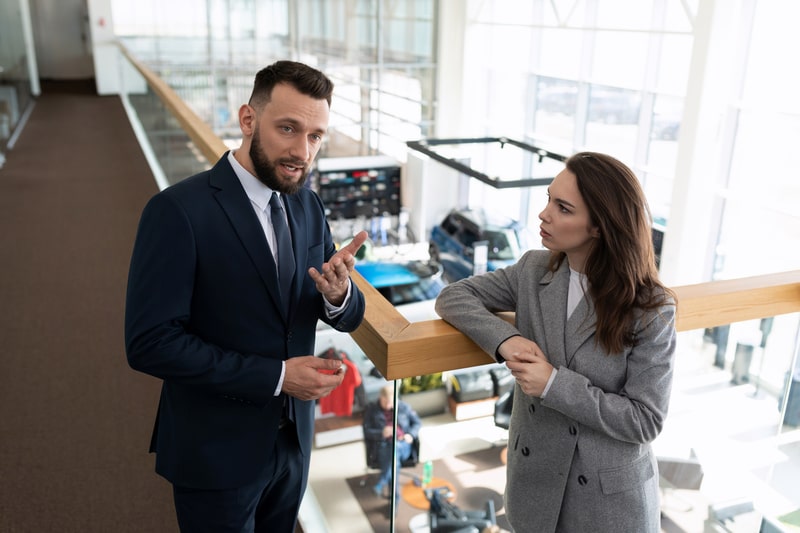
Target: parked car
(613,106)
(411,287)
(452,241)
(666,127)
(404,283)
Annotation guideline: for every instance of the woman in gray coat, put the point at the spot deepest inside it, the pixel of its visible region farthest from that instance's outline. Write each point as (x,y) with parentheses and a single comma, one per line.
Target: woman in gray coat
(592,350)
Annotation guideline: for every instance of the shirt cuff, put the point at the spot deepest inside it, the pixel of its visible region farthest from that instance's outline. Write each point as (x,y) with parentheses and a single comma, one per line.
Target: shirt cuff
(280,381)
(549,382)
(331,311)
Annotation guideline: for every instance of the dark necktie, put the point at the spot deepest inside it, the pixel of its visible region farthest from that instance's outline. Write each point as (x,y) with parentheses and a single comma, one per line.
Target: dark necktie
(285,260)
(285,257)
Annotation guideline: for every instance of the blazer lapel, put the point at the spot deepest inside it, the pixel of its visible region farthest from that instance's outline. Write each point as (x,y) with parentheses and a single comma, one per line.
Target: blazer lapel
(237,207)
(553,299)
(580,327)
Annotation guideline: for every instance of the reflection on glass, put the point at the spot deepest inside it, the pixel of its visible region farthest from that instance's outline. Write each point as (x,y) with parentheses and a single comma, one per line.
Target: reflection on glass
(732,431)
(15,87)
(732,435)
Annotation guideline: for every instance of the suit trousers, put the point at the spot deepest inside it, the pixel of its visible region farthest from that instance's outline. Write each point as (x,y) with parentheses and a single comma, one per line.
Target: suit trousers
(268,505)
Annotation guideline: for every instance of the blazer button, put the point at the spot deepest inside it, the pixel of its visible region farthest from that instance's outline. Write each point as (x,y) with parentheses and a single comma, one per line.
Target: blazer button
(582,480)
(532,408)
(526,451)
(573,430)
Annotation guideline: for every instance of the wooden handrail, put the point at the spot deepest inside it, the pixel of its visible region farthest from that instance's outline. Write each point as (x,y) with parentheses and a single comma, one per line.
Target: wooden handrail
(716,303)
(203,137)
(400,348)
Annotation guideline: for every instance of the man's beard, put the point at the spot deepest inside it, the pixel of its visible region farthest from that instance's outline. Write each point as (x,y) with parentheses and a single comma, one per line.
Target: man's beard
(265,169)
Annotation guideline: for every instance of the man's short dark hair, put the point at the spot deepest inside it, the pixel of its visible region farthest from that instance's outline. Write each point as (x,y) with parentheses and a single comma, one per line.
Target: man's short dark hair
(307,80)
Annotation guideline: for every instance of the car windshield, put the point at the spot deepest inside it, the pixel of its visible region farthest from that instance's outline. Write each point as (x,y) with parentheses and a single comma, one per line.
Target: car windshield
(503,244)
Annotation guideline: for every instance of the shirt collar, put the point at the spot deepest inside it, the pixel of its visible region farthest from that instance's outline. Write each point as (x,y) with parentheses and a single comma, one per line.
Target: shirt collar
(258,193)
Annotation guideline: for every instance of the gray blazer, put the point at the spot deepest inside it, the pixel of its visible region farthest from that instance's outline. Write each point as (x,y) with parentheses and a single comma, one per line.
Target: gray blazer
(579,459)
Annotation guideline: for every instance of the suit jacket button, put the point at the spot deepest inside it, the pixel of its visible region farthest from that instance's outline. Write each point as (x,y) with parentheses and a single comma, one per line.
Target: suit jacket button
(525,451)
(573,430)
(532,408)
(582,480)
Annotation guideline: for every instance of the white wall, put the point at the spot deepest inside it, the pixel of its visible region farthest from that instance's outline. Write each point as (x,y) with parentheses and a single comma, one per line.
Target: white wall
(430,190)
(105,52)
(61,37)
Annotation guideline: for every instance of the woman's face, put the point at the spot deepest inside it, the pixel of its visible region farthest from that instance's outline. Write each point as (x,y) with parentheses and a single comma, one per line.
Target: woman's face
(566,225)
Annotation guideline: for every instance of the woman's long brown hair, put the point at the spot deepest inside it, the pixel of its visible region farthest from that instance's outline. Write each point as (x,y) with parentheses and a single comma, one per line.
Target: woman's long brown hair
(620,267)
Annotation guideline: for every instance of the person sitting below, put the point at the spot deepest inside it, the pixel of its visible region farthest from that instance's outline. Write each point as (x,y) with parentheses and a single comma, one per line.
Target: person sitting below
(378,431)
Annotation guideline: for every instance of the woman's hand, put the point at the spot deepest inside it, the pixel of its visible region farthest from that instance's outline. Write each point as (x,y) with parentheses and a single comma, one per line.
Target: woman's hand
(528,364)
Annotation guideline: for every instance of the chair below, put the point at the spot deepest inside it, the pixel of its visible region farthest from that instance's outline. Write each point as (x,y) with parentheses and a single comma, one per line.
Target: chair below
(445,517)
(377,452)
(373,452)
(502,409)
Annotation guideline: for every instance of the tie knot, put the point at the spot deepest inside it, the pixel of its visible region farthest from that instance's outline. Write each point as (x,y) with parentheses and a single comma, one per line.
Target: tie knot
(283,252)
(275,201)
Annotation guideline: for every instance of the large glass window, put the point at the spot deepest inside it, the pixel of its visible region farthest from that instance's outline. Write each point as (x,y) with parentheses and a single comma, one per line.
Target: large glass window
(15,77)
(380,56)
(760,222)
(581,94)
(574,75)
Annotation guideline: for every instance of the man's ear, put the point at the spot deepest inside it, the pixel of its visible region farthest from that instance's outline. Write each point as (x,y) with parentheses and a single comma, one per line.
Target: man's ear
(247,119)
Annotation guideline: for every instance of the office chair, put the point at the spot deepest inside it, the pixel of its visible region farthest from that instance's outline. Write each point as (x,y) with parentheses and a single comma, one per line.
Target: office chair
(445,517)
(373,450)
(502,409)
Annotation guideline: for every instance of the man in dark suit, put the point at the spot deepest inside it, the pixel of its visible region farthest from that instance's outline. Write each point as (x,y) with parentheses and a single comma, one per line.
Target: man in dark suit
(226,316)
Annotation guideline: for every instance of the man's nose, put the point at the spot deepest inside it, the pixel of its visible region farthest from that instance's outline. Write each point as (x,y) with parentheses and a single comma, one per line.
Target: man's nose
(300,149)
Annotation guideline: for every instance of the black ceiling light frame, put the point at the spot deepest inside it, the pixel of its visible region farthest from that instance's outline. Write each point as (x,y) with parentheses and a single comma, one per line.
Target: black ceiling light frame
(424,146)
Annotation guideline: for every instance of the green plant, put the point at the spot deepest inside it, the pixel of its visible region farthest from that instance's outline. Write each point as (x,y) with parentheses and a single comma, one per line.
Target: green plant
(421,383)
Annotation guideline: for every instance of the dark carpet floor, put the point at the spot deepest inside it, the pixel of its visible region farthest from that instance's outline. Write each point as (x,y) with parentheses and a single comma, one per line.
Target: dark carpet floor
(75,420)
(484,465)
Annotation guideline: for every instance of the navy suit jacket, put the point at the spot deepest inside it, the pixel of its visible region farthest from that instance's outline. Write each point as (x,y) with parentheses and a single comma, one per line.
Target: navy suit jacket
(203,313)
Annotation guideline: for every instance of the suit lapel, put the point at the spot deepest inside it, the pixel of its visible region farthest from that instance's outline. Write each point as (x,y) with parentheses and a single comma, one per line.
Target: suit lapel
(564,337)
(237,207)
(580,327)
(553,310)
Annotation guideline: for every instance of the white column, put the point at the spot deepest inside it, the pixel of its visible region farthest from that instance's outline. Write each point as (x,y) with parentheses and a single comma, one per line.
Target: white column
(450,73)
(691,232)
(105,53)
